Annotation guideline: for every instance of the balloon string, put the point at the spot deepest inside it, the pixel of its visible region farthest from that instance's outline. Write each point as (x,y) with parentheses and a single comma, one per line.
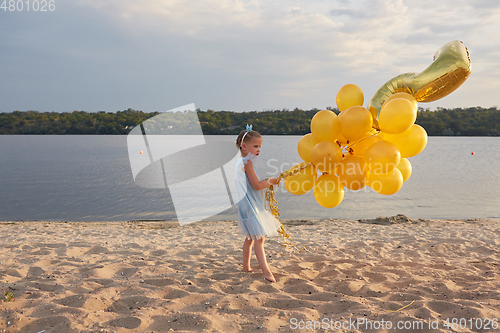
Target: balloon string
(348,147)
(285,239)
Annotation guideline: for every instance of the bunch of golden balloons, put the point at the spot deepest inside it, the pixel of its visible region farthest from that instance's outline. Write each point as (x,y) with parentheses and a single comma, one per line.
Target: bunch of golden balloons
(370,146)
(353,150)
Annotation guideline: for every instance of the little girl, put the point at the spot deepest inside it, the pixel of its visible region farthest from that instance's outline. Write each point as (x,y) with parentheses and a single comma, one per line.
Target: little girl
(254,221)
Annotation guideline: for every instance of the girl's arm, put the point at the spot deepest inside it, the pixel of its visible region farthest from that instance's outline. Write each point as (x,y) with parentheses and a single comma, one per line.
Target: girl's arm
(254,180)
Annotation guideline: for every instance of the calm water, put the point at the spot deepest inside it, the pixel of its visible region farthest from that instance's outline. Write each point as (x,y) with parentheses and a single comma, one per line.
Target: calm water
(84,178)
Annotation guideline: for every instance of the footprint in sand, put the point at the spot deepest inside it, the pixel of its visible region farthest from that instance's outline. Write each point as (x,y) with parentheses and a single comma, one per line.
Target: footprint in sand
(125,322)
(75,301)
(128,304)
(55,323)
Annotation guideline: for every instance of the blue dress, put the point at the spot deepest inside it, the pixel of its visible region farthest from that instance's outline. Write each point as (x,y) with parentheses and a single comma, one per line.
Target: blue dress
(254,221)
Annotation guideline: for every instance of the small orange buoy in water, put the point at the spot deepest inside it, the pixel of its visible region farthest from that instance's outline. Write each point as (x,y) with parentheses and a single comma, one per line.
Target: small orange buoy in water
(472,153)
(141,152)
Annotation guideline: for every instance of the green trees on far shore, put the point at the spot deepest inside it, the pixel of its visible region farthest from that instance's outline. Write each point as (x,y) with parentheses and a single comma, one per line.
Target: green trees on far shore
(460,122)
(475,121)
(76,122)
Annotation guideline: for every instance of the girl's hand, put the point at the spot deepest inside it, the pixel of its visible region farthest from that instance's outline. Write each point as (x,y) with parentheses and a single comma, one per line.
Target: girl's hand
(272,180)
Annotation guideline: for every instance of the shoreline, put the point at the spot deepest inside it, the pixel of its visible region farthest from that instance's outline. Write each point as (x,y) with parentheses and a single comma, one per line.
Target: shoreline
(156,276)
(396,219)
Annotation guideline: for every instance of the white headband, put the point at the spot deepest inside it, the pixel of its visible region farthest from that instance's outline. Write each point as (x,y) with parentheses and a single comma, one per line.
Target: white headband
(249,129)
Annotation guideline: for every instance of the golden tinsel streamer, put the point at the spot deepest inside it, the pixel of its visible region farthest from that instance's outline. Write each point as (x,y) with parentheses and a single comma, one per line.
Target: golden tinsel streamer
(285,239)
(404,307)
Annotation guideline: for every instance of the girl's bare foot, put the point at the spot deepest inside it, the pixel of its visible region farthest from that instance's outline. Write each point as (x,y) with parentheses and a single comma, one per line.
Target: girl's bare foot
(269,277)
(248,270)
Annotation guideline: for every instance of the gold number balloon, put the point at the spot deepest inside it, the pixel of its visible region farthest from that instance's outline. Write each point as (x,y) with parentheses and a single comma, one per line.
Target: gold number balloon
(450,68)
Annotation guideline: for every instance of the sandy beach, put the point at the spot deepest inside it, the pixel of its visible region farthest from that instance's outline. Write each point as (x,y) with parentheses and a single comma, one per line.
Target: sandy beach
(383,275)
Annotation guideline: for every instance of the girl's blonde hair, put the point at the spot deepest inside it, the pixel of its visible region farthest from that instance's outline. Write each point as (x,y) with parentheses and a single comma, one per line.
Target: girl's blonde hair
(246,138)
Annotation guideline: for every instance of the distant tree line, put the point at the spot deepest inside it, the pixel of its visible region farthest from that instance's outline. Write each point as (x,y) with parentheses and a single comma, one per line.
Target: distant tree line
(460,122)
(76,122)
(475,121)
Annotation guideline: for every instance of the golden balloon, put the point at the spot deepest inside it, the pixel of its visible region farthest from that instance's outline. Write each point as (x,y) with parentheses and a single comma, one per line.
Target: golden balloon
(405,168)
(305,146)
(325,156)
(450,68)
(303,181)
(340,137)
(325,126)
(387,183)
(328,191)
(410,142)
(359,148)
(352,172)
(348,96)
(397,116)
(355,123)
(382,157)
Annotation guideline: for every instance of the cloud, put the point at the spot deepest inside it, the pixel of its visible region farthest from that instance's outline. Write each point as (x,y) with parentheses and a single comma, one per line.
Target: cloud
(239,55)
(180,17)
(249,42)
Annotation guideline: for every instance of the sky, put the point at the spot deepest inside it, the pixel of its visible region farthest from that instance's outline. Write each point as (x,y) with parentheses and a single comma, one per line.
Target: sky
(235,55)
